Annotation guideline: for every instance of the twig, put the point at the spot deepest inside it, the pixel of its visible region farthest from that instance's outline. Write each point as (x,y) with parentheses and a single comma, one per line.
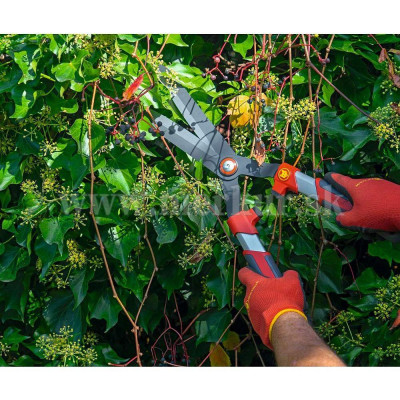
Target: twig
(315,69)
(222,335)
(110,278)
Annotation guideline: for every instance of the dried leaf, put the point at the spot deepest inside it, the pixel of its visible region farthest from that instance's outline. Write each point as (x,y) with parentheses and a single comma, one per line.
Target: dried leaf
(259,152)
(132,88)
(383,56)
(232,340)
(392,74)
(395,79)
(396,322)
(218,357)
(396,107)
(195,258)
(394,51)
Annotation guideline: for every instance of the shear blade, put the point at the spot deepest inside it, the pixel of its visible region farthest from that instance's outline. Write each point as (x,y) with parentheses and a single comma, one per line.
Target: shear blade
(197,148)
(202,126)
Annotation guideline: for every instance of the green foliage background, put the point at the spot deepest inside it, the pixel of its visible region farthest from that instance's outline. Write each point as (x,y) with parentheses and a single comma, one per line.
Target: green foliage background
(51,271)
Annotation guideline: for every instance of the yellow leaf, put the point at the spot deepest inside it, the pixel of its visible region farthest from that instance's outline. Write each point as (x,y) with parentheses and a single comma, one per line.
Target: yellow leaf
(231,341)
(242,113)
(218,357)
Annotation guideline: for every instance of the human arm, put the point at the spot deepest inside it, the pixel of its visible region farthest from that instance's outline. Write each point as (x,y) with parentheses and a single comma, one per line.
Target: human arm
(296,344)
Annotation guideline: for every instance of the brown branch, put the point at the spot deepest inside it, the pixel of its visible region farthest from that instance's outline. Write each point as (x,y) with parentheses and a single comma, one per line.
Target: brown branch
(110,278)
(146,238)
(321,249)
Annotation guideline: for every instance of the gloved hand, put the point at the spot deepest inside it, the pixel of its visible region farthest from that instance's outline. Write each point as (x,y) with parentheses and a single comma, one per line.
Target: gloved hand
(268,298)
(376,203)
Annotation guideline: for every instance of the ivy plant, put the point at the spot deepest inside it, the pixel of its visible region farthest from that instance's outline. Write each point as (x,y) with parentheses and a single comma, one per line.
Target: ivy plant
(114,248)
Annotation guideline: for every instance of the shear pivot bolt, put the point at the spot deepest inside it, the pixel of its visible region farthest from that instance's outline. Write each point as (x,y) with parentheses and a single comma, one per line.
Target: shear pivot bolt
(228,166)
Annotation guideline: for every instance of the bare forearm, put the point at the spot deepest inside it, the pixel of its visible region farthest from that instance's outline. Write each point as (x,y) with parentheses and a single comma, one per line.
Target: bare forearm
(296,344)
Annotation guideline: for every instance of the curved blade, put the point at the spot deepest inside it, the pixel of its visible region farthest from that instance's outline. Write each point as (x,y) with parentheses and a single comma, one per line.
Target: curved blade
(202,126)
(197,148)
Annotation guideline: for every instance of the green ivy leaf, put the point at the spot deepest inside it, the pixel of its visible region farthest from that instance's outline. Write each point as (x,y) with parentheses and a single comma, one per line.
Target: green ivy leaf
(330,274)
(171,277)
(242,44)
(166,229)
(102,305)
(79,132)
(10,170)
(64,72)
(54,229)
(219,281)
(119,241)
(46,253)
(365,304)
(108,355)
(134,281)
(61,312)
(15,296)
(12,336)
(386,250)
(80,284)
(24,99)
(11,261)
(89,73)
(57,104)
(211,325)
(26,57)
(175,39)
(152,312)
(367,282)
(10,80)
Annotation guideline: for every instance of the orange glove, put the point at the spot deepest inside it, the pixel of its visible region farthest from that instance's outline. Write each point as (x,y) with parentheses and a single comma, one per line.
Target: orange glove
(268,298)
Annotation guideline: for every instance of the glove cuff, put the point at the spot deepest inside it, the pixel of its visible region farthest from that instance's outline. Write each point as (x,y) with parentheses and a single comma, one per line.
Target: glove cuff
(266,336)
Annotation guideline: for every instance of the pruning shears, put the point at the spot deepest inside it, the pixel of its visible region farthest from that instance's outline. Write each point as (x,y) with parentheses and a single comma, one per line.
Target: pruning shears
(209,146)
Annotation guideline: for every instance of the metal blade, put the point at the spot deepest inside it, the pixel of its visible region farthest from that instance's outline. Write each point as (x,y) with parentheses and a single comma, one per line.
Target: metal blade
(197,148)
(250,167)
(231,190)
(202,126)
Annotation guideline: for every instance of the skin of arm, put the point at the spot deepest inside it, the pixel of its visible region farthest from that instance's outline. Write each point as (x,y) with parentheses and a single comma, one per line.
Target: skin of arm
(295,343)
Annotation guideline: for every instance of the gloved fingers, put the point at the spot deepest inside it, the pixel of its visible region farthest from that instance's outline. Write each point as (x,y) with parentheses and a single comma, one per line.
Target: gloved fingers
(291,275)
(248,277)
(341,183)
(348,220)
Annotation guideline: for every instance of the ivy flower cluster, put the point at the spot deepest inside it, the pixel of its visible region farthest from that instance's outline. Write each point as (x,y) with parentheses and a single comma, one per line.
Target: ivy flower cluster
(392,351)
(65,351)
(207,294)
(388,298)
(389,128)
(44,122)
(240,140)
(168,78)
(76,258)
(7,144)
(51,189)
(4,348)
(142,193)
(387,85)
(197,248)
(304,109)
